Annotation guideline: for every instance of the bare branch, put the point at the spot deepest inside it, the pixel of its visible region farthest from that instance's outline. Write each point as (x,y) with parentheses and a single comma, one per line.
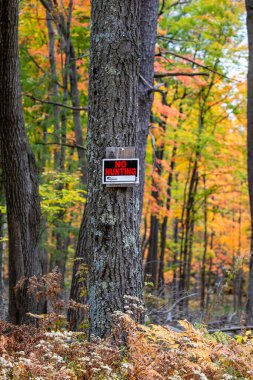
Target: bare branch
(163,75)
(57,104)
(63,144)
(180,3)
(41,69)
(199,65)
(162,8)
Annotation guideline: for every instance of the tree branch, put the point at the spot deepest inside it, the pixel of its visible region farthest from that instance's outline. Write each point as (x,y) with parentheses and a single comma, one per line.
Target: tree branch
(180,3)
(162,8)
(163,75)
(62,144)
(41,69)
(57,104)
(199,65)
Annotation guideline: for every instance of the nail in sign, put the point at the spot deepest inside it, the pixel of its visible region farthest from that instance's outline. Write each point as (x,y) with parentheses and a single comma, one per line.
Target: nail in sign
(120,171)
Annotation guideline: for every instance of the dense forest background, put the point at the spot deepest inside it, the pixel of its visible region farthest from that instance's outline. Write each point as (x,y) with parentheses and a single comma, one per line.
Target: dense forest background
(195,222)
(143,282)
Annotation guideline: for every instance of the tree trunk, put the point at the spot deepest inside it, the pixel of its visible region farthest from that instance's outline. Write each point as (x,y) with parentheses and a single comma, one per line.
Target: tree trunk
(151,267)
(2,250)
(249,8)
(209,280)
(55,88)
(203,268)
(63,24)
(78,291)
(188,226)
(76,113)
(152,258)
(165,220)
(110,230)
(148,30)
(175,261)
(19,171)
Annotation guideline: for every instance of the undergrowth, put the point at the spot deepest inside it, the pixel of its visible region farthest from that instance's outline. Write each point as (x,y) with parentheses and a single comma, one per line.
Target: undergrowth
(149,353)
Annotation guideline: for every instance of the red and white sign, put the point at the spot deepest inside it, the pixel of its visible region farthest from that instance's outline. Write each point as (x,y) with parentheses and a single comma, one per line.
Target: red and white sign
(120,171)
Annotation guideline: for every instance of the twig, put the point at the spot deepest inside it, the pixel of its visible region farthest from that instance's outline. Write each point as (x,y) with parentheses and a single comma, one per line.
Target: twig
(63,144)
(179,3)
(85,54)
(175,304)
(175,39)
(57,104)
(153,151)
(41,69)
(200,65)
(146,82)
(162,8)
(163,75)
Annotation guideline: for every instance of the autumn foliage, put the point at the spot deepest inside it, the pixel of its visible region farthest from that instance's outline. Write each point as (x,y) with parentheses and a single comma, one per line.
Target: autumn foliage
(145,353)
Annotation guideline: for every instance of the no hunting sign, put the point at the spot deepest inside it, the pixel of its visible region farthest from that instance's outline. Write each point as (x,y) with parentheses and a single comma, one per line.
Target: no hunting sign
(120,171)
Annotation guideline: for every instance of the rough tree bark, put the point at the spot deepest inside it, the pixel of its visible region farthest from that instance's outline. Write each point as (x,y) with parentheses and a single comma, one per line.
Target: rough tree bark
(111,236)
(249,9)
(148,28)
(19,172)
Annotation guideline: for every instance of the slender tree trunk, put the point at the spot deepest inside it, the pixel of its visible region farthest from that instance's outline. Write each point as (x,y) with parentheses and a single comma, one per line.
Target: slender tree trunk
(152,258)
(1,253)
(203,268)
(190,253)
(168,200)
(76,113)
(165,220)
(59,257)
(210,268)
(63,23)
(148,30)
(153,255)
(163,234)
(188,225)
(43,253)
(19,172)
(2,236)
(55,88)
(175,261)
(249,9)
(240,271)
(78,291)
(189,205)
(145,239)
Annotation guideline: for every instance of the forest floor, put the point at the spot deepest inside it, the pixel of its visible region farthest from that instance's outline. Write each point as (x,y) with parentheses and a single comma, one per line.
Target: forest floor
(132,352)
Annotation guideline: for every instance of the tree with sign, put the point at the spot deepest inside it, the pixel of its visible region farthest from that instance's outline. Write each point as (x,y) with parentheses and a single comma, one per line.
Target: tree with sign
(109,236)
